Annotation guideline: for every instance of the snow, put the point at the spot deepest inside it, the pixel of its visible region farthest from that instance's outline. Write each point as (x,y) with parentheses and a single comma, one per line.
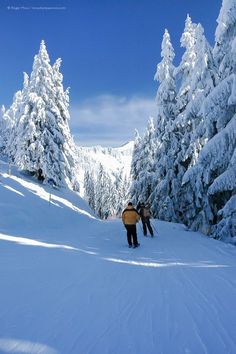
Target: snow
(112,160)
(70,284)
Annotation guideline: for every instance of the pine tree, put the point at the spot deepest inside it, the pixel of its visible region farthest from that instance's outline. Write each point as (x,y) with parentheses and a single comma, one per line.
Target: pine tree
(12,117)
(89,189)
(135,167)
(147,154)
(181,141)
(165,139)
(184,70)
(166,94)
(43,144)
(194,178)
(213,176)
(121,189)
(63,117)
(203,79)
(104,198)
(225,42)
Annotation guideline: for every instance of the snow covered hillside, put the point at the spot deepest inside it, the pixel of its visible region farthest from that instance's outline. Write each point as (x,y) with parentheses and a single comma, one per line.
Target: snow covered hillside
(104,178)
(113,160)
(70,285)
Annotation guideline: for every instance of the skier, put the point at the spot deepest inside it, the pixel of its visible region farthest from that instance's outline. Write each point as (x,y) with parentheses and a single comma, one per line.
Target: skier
(145,214)
(130,217)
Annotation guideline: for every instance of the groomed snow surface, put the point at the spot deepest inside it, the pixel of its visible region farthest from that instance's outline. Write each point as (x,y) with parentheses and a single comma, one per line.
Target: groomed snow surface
(70,284)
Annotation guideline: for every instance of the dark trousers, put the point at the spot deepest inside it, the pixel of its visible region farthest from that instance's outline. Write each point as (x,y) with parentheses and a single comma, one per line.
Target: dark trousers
(131,234)
(146,223)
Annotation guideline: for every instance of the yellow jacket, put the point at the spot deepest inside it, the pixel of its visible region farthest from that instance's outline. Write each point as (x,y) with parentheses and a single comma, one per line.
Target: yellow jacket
(130,216)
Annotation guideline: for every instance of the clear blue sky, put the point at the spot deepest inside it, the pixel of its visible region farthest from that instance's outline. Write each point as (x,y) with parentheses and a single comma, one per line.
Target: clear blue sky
(108,47)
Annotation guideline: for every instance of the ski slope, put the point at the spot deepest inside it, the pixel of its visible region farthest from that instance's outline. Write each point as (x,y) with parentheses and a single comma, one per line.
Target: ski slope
(70,284)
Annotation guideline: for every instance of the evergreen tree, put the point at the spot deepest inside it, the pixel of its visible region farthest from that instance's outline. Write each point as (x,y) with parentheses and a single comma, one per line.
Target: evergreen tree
(165,139)
(213,176)
(121,189)
(135,167)
(105,197)
(62,117)
(194,174)
(190,121)
(166,93)
(89,189)
(183,72)
(147,154)
(12,117)
(225,42)
(43,144)
(181,138)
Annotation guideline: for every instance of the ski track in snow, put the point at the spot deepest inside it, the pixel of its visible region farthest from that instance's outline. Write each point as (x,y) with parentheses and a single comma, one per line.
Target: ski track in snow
(70,284)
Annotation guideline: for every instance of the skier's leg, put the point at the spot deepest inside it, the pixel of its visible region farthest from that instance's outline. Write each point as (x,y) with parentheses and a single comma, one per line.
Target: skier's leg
(149,227)
(144,227)
(134,234)
(129,234)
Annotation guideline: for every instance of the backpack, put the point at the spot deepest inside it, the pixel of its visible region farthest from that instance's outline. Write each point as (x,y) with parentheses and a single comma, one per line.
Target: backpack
(146,212)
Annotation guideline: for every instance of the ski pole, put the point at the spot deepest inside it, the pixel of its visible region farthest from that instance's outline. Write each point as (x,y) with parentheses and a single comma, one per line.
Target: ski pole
(154,228)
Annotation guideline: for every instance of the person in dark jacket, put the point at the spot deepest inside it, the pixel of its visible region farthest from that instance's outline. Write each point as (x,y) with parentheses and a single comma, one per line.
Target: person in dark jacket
(145,214)
(130,217)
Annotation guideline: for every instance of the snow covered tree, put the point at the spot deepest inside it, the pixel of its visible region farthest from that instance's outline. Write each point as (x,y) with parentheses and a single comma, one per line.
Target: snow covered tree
(225,39)
(146,165)
(203,79)
(135,167)
(165,139)
(12,116)
(43,144)
(213,176)
(175,153)
(184,70)
(106,177)
(121,188)
(105,196)
(195,161)
(89,188)
(62,117)
(166,93)
(166,167)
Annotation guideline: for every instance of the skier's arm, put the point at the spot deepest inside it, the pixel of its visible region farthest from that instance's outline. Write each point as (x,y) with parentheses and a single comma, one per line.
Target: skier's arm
(123,217)
(137,215)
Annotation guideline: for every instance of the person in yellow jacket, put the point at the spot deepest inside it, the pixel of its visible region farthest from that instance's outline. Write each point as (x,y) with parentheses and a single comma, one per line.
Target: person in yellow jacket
(130,217)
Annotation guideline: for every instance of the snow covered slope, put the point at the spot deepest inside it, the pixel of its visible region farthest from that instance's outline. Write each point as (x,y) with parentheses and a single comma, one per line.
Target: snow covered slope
(69,284)
(112,159)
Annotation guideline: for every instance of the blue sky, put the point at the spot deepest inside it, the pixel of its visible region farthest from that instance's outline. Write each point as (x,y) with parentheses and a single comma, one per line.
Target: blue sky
(109,51)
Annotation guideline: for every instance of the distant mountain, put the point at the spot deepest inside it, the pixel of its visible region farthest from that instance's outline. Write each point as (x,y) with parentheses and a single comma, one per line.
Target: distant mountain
(114,161)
